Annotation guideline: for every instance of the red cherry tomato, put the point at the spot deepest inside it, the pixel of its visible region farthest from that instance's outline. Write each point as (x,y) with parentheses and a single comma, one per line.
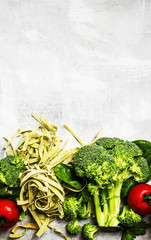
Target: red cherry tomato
(139,198)
(9,213)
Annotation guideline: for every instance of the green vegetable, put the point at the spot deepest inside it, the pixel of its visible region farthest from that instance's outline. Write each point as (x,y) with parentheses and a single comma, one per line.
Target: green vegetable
(133,232)
(107,165)
(83,212)
(140,228)
(89,230)
(145,146)
(4,190)
(127,185)
(76,206)
(67,175)
(70,207)
(22,215)
(128,235)
(10,168)
(10,193)
(85,195)
(73,227)
(128,217)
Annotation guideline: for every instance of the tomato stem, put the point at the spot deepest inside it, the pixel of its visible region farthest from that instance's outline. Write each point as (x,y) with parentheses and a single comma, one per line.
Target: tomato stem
(2,220)
(147,198)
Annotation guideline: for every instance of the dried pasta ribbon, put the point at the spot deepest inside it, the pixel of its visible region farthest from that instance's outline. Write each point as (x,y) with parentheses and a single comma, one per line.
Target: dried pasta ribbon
(74,134)
(59,231)
(41,192)
(27,226)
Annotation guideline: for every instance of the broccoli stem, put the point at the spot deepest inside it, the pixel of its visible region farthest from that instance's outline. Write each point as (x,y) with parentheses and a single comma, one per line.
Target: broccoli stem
(112,207)
(107,205)
(105,208)
(108,208)
(114,201)
(98,210)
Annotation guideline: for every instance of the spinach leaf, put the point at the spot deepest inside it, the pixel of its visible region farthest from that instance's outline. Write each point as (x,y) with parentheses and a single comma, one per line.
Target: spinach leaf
(67,175)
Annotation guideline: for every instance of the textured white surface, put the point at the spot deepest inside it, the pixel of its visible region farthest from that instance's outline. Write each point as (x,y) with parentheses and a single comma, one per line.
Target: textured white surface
(80,62)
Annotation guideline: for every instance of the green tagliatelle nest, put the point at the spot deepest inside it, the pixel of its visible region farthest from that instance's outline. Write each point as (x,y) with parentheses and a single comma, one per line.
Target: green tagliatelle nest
(41,192)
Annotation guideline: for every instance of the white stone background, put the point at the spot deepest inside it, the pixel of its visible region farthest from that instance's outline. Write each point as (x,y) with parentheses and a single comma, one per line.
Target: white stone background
(83,63)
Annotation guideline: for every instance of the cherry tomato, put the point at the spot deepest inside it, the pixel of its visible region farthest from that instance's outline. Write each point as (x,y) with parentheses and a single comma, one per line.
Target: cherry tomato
(139,198)
(9,213)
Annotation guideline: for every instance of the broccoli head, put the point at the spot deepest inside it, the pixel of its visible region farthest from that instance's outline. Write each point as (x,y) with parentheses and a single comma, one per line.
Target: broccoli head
(93,162)
(89,230)
(128,217)
(140,169)
(108,142)
(125,153)
(73,227)
(10,168)
(107,165)
(83,212)
(85,195)
(70,207)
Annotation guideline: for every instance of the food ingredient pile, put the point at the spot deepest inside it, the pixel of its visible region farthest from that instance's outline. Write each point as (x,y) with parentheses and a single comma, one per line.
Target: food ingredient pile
(96,181)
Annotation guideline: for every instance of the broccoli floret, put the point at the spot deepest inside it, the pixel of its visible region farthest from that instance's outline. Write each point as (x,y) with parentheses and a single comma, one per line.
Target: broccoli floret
(73,227)
(89,230)
(128,217)
(94,163)
(70,207)
(85,195)
(77,206)
(109,143)
(10,168)
(125,153)
(107,165)
(140,169)
(83,212)
(127,185)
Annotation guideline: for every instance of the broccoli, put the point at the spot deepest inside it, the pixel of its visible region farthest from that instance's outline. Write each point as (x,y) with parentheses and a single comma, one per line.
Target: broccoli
(94,163)
(127,185)
(83,212)
(73,227)
(109,143)
(10,169)
(89,230)
(70,207)
(76,205)
(85,195)
(128,217)
(106,165)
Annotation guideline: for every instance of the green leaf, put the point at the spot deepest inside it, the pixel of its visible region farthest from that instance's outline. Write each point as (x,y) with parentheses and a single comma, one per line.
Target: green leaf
(9,192)
(145,146)
(67,175)
(128,235)
(140,228)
